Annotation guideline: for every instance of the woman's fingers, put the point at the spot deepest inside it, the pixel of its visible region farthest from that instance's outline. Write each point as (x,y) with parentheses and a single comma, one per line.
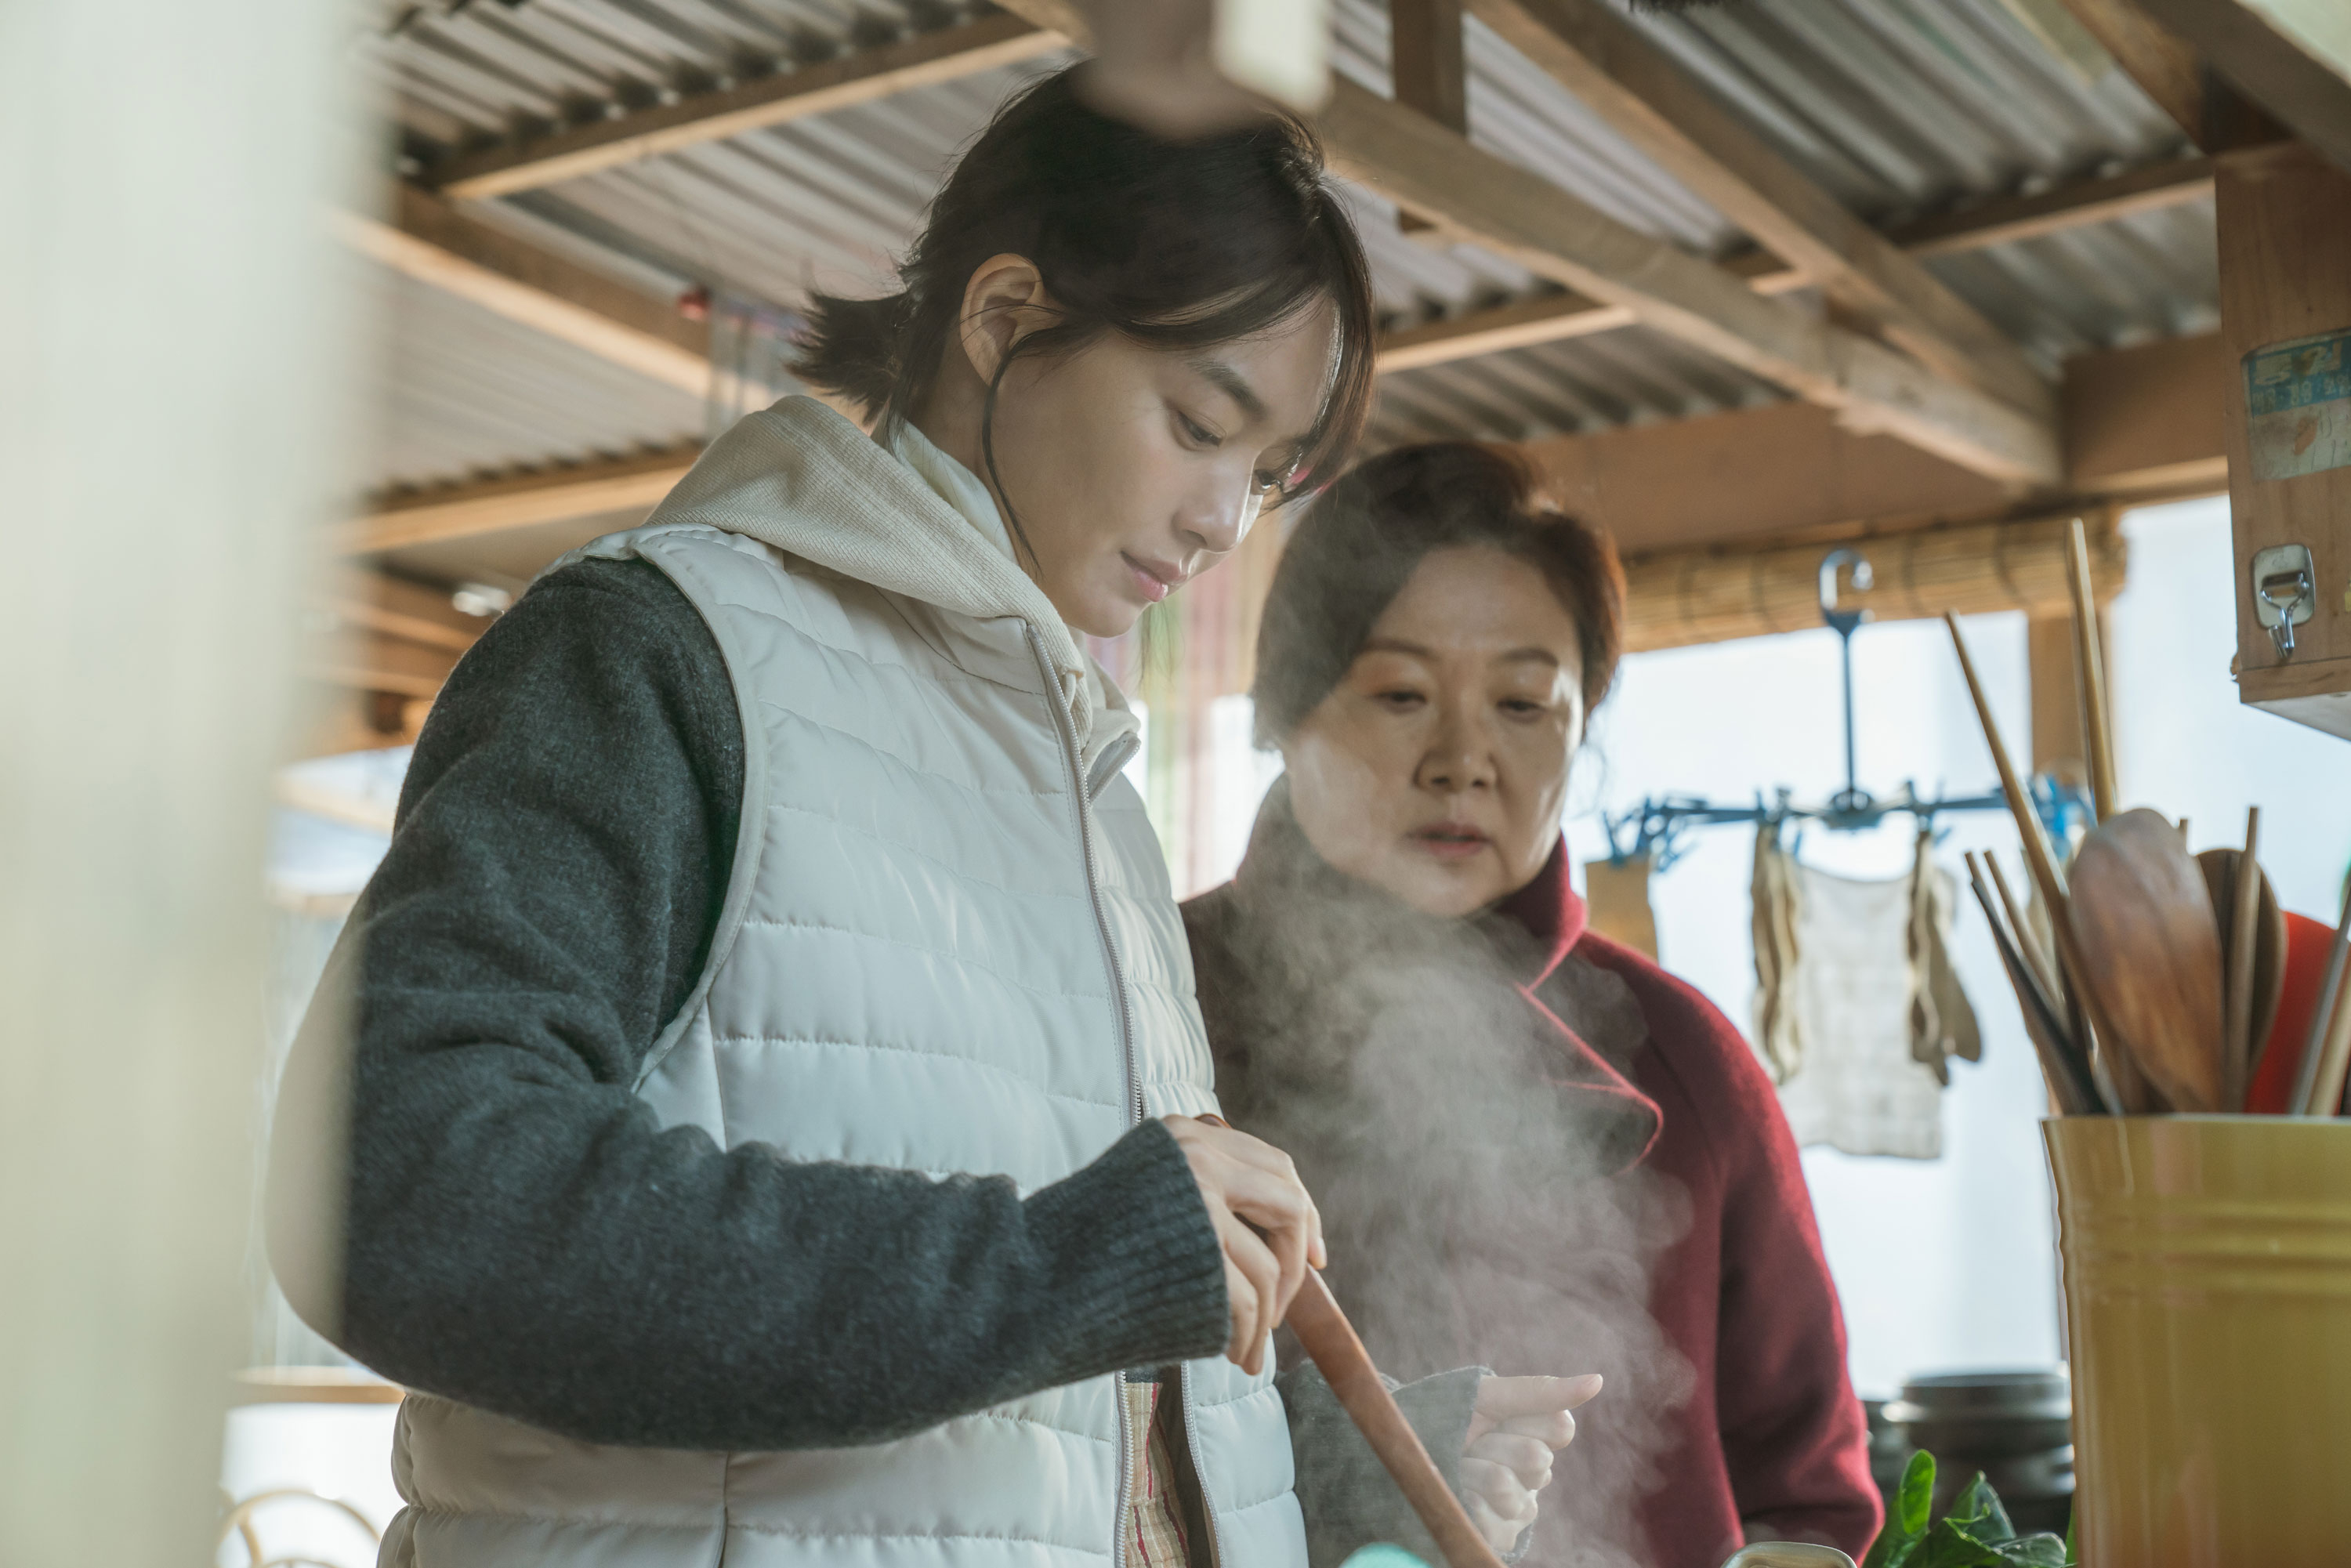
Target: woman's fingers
(1500,1535)
(1536,1407)
(1529,1458)
(1277,1206)
(1247,1254)
(1252,1190)
(1508,1507)
(1556,1430)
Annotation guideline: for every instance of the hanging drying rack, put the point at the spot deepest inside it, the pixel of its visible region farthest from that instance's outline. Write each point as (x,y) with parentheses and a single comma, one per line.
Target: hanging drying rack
(1658,826)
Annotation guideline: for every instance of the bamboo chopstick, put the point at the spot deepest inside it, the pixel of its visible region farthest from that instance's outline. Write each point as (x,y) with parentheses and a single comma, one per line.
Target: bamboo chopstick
(2115,1052)
(2028,944)
(2244,926)
(2068,1086)
(2092,663)
(2038,855)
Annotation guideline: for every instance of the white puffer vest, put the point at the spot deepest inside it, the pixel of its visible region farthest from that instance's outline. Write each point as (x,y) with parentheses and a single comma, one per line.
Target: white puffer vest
(949,945)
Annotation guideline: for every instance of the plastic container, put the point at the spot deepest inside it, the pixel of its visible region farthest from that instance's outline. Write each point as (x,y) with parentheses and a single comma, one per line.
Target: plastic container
(2208,1292)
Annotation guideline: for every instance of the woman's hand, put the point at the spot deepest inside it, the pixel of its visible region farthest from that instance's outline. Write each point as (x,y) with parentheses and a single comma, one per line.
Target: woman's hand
(1269,1226)
(1515,1427)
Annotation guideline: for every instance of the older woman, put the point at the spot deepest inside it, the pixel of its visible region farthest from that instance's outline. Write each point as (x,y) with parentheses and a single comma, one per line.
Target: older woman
(1533,1147)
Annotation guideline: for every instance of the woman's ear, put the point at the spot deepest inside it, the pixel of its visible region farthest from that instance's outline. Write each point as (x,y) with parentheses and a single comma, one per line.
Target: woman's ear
(1003,303)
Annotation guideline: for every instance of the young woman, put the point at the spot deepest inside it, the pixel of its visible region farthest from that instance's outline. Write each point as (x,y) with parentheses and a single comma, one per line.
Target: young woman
(775,1104)
(1529,1144)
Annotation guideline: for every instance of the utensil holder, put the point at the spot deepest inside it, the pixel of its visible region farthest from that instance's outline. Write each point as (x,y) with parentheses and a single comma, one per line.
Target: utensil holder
(2208,1295)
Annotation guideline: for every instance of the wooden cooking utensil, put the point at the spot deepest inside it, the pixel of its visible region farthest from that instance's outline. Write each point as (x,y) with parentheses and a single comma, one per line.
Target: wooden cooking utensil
(2132,1092)
(2091,664)
(1347,1367)
(2143,923)
(2253,1003)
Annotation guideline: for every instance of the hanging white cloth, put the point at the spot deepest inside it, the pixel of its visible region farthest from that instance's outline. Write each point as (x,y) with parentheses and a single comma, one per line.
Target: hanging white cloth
(1874,1007)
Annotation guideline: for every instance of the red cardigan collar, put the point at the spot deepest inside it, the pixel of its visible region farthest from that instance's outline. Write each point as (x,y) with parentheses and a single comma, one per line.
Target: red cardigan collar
(1550,910)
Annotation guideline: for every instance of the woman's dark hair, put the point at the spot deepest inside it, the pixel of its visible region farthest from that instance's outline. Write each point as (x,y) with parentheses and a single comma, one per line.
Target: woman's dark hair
(1352,554)
(1176,245)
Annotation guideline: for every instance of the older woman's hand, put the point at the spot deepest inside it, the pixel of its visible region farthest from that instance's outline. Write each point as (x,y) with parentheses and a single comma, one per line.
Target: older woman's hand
(1516,1427)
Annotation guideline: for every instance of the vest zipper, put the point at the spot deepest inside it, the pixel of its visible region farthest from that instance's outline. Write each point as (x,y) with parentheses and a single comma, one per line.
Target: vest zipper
(1199,1475)
(1065,729)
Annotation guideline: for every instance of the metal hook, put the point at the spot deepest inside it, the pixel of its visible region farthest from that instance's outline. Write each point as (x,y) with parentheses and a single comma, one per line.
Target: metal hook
(1843,622)
(1852,798)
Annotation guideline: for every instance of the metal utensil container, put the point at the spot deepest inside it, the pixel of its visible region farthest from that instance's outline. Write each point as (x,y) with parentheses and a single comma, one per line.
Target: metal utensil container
(2208,1289)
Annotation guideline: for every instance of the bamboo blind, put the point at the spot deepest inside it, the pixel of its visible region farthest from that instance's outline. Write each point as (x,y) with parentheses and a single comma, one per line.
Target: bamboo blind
(1686,597)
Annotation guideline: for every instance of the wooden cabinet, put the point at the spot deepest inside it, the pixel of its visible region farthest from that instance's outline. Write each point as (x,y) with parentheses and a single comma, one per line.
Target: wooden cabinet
(2284,215)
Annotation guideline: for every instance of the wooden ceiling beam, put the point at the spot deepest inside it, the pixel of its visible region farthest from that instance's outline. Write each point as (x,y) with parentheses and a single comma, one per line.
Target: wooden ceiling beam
(1438,175)
(2164,65)
(425,239)
(1425,60)
(924,60)
(462,511)
(1676,120)
(2290,58)
(1518,215)
(2001,221)
(2080,203)
(2141,424)
(410,611)
(371,662)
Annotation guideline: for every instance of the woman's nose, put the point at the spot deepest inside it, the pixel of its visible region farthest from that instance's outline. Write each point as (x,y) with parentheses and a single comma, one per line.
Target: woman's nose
(1457,759)
(1218,523)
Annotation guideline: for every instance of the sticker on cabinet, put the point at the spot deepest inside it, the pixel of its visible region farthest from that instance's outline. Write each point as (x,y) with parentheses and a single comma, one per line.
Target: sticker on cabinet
(2298,395)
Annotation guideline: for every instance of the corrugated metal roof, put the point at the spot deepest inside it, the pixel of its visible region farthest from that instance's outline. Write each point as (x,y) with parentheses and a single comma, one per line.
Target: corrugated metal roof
(463,391)
(1900,107)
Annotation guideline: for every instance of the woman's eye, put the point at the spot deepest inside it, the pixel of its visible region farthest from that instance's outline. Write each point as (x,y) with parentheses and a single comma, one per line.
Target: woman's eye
(1196,432)
(1398,699)
(1522,707)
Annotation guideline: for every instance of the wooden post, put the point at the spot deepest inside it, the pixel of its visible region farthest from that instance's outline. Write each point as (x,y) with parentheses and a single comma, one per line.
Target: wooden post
(2057,749)
(2285,216)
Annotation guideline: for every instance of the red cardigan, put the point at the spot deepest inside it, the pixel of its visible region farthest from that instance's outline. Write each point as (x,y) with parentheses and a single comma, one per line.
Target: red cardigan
(1772,1435)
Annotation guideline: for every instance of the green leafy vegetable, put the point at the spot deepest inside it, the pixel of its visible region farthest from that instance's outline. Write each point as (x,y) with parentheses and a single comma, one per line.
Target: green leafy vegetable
(1975,1532)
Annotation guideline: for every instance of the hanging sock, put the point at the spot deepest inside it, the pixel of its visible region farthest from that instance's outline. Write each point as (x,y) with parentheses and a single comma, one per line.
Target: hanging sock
(1617,903)
(1942,1020)
(1779,1037)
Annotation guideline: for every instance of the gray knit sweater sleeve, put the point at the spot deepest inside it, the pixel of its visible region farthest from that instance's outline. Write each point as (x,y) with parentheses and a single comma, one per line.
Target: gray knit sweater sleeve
(520,1233)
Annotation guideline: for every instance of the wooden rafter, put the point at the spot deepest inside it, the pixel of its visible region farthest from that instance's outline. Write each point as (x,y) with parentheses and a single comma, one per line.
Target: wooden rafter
(928,59)
(461,511)
(1520,215)
(2078,204)
(371,662)
(2163,64)
(2001,221)
(1675,120)
(408,612)
(428,240)
(1425,60)
(2301,76)
(1438,175)
(2142,424)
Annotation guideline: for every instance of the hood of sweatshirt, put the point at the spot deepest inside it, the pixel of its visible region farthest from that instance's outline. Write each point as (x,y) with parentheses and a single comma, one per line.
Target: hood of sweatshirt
(905,517)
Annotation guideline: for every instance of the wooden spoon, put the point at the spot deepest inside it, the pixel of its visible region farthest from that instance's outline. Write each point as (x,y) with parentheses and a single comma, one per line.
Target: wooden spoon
(1330,1341)
(2143,922)
(2221,869)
